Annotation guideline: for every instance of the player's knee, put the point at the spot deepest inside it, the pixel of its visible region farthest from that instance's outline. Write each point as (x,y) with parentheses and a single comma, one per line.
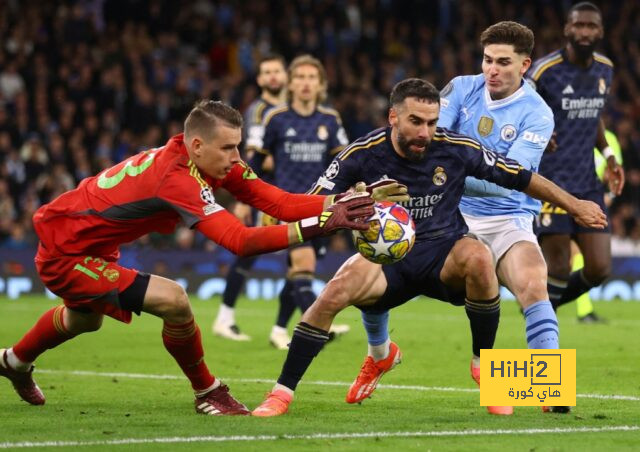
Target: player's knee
(178,305)
(94,324)
(596,274)
(479,264)
(78,323)
(334,297)
(531,288)
(558,268)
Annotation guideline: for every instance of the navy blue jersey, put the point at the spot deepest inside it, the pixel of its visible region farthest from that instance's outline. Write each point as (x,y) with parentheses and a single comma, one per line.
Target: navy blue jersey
(254,115)
(301,146)
(435,183)
(253,129)
(577,97)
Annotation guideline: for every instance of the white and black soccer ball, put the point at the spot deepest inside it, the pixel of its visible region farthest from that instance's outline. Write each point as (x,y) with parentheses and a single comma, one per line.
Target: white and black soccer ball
(390,236)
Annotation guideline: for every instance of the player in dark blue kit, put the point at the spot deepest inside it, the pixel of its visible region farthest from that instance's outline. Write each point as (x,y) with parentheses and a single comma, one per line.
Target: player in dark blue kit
(302,137)
(272,79)
(444,263)
(575,81)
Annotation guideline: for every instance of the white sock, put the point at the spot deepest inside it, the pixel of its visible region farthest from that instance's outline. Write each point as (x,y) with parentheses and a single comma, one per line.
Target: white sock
(226,315)
(15,363)
(378,352)
(216,383)
(279,387)
(278,330)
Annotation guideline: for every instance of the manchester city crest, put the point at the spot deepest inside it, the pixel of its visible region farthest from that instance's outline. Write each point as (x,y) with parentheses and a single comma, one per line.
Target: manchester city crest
(323,133)
(485,126)
(508,133)
(439,176)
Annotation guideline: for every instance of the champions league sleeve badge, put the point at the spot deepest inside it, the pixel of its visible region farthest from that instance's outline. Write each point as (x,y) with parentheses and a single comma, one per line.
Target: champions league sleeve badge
(206,194)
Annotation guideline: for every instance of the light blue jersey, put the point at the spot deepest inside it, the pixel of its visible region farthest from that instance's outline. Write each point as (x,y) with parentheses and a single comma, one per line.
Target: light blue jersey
(518,127)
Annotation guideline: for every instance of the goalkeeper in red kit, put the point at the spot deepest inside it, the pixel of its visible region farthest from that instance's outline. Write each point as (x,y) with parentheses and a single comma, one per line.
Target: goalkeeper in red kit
(81,230)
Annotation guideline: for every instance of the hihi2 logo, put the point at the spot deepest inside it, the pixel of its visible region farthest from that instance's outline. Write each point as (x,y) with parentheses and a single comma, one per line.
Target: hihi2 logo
(528,377)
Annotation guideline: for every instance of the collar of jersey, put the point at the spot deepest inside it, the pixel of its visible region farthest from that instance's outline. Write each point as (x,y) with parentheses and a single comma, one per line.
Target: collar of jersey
(493,104)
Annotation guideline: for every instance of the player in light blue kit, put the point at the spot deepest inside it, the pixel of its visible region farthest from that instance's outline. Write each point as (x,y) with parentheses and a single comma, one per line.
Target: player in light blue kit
(503,113)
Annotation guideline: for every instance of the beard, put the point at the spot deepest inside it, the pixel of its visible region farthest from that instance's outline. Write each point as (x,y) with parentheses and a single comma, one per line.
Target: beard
(583,51)
(274,91)
(405,146)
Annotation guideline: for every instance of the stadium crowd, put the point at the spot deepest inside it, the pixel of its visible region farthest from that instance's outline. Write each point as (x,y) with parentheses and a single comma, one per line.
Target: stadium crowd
(85,84)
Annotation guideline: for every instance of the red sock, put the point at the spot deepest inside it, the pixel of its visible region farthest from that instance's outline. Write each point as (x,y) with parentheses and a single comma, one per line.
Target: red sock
(184,342)
(48,332)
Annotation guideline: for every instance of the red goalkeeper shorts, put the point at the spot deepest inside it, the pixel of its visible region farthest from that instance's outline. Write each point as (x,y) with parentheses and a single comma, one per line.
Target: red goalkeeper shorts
(86,282)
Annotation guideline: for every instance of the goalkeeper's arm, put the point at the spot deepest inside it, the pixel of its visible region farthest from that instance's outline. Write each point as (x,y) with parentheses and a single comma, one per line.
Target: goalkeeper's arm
(225,229)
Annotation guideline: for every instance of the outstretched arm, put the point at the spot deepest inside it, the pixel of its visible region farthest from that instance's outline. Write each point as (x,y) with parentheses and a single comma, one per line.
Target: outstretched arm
(586,213)
(227,231)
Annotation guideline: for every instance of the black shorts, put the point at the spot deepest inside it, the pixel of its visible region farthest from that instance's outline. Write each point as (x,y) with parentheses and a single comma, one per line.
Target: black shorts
(554,220)
(418,274)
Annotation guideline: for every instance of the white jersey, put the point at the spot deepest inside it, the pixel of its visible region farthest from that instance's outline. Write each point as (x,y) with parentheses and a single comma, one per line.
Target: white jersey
(518,127)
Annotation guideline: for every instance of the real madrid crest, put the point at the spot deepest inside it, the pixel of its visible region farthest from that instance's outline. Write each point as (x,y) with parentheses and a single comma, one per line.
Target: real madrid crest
(602,86)
(439,176)
(485,126)
(323,133)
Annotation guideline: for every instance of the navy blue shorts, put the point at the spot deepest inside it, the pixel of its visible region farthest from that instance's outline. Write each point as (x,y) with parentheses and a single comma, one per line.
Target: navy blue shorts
(554,220)
(418,274)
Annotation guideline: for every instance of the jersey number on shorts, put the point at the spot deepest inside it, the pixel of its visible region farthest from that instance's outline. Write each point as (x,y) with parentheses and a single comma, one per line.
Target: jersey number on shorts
(101,264)
(129,169)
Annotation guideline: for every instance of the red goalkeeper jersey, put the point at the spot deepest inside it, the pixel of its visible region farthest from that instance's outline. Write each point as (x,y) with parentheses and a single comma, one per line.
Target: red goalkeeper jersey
(152,192)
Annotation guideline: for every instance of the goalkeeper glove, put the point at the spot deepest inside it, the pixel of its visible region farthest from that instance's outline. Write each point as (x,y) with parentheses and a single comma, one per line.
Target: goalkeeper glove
(349,212)
(383,190)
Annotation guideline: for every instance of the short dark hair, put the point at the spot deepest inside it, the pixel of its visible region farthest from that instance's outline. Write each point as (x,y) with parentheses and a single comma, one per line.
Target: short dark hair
(414,87)
(508,32)
(206,115)
(583,6)
(271,57)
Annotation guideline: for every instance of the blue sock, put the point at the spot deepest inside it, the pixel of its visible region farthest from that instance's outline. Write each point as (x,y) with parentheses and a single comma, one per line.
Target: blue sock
(377,326)
(542,325)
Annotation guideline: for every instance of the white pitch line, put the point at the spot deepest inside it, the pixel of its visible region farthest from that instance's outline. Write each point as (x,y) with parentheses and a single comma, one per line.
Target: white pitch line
(365,435)
(90,373)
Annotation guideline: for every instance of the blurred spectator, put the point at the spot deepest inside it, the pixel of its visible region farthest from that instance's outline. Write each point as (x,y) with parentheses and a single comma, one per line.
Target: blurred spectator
(85,84)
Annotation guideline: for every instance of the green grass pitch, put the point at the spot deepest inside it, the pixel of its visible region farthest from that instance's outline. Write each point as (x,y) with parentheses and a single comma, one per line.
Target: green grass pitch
(117,389)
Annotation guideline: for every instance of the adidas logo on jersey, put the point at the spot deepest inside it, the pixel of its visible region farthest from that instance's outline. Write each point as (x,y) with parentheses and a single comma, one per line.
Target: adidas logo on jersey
(290,132)
(567,90)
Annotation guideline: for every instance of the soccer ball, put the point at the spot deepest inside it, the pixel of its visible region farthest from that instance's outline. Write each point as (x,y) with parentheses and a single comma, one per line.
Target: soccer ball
(390,235)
